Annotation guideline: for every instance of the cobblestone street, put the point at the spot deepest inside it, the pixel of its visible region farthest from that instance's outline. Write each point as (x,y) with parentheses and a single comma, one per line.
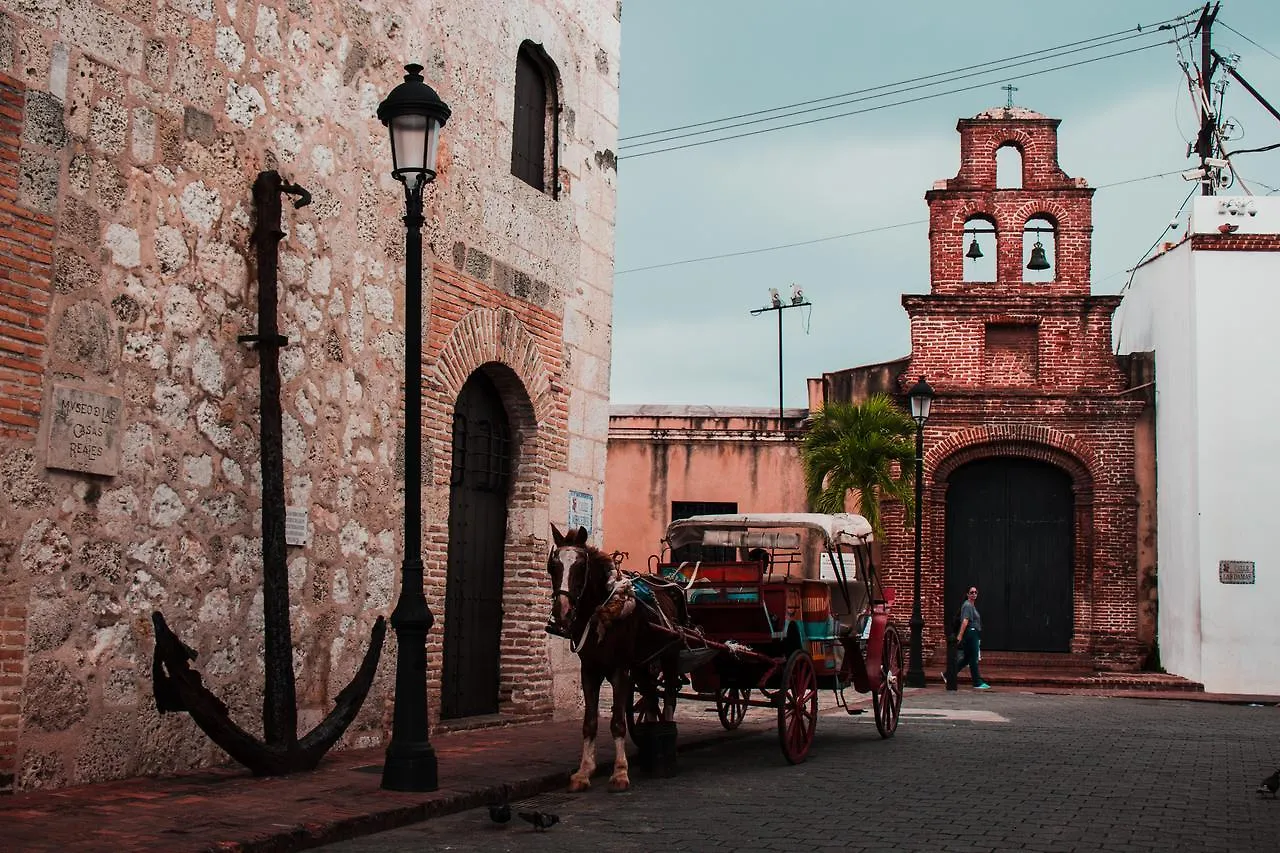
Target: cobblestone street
(966,772)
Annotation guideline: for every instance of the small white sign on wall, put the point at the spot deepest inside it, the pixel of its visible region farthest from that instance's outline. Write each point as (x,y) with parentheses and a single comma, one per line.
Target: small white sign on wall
(581,510)
(1236,571)
(297,525)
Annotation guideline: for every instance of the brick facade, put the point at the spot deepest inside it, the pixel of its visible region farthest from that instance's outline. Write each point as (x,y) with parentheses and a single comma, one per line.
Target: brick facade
(1024,369)
(26,247)
(474,325)
(13,642)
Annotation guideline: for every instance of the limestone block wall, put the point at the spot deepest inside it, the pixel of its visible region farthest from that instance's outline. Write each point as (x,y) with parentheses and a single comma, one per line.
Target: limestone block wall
(130,136)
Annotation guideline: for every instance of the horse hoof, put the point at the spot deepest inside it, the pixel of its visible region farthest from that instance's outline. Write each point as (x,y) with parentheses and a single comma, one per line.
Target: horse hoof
(617,786)
(577,786)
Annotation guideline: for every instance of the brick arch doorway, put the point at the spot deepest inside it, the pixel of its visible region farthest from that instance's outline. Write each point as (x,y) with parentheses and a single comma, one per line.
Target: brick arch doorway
(479,491)
(1010,532)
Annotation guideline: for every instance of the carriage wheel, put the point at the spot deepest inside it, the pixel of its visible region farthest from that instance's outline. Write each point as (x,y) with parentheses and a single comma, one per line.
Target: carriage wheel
(797,706)
(886,700)
(731,705)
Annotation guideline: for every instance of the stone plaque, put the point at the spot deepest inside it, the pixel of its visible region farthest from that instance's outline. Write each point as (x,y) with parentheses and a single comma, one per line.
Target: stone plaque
(1235,571)
(84,433)
(297,528)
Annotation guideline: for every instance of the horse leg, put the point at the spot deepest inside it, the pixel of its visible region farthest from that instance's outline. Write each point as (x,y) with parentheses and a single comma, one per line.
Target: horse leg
(621,682)
(581,780)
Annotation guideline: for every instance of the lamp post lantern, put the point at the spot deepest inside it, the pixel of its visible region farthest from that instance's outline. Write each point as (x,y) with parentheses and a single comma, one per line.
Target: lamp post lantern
(921,396)
(415,114)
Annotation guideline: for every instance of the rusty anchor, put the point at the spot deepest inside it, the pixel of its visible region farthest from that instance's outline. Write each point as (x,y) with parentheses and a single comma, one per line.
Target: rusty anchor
(178,687)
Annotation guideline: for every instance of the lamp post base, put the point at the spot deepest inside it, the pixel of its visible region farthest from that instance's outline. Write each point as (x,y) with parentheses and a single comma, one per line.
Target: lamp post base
(915,665)
(410,768)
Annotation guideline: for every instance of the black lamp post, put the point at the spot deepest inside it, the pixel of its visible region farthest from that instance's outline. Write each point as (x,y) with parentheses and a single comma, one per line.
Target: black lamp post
(921,399)
(415,114)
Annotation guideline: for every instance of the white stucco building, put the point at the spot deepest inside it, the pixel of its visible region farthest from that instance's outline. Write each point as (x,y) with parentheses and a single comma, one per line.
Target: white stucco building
(1207,306)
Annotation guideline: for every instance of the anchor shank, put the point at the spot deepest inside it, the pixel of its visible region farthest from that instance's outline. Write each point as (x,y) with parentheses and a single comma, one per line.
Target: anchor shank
(279,701)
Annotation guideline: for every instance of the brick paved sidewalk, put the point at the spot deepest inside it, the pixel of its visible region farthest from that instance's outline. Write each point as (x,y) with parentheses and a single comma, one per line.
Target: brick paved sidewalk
(230,810)
(226,809)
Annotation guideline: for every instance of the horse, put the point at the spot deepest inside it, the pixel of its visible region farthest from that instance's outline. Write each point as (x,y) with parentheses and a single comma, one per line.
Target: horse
(611,619)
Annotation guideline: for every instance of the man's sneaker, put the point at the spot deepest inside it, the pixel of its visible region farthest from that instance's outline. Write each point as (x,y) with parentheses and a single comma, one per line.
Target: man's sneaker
(982,686)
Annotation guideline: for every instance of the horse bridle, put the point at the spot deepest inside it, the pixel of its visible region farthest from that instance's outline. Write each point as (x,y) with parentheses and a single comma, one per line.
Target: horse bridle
(566,593)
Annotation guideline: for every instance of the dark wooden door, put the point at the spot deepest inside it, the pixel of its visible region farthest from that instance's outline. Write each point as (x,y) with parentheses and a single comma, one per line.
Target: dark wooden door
(1010,534)
(479,486)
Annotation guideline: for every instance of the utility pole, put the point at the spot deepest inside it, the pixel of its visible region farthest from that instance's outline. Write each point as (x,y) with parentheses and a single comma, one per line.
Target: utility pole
(776,304)
(1206,140)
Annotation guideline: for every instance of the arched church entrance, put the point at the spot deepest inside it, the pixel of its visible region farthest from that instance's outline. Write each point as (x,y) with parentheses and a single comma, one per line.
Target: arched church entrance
(480,484)
(1009,532)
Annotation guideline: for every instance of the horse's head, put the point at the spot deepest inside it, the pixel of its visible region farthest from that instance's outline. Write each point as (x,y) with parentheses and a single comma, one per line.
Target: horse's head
(570,567)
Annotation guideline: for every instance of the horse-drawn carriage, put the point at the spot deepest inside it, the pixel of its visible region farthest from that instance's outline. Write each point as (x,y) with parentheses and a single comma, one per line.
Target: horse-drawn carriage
(767,610)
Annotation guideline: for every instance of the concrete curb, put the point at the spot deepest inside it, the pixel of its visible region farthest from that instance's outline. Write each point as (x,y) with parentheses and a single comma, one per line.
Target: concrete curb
(305,836)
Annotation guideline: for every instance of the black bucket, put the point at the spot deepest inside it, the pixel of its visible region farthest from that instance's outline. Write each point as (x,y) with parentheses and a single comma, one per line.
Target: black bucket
(656,748)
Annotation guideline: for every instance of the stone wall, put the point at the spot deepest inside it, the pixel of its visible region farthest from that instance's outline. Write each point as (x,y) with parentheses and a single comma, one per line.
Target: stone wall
(130,136)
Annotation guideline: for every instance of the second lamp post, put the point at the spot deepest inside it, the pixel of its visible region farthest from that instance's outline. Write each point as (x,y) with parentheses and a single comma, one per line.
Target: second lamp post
(415,114)
(921,396)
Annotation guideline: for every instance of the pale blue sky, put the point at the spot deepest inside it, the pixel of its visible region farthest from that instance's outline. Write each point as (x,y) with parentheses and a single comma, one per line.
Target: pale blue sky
(683,334)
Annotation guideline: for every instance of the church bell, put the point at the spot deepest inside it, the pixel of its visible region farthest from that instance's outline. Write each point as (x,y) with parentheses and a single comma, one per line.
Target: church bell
(975,251)
(1038,260)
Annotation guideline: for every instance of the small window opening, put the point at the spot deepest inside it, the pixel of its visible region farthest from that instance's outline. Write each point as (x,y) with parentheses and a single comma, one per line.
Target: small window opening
(1008,168)
(534,133)
(697,551)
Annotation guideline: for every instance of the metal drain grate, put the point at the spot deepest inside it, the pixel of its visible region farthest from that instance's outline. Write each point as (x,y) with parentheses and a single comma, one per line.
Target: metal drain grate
(542,801)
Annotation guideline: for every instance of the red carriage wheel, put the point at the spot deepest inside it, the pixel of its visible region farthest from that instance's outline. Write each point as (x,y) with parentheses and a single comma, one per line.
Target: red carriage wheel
(797,706)
(731,705)
(886,700)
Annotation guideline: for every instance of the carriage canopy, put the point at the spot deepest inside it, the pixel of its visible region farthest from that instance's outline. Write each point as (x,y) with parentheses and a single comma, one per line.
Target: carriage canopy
(836,530)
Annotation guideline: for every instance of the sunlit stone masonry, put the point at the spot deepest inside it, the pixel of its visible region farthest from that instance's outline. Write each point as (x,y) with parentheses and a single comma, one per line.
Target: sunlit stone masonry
(131,134)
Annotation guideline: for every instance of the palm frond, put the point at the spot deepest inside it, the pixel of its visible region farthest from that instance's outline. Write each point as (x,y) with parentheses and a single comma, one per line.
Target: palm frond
(851,447)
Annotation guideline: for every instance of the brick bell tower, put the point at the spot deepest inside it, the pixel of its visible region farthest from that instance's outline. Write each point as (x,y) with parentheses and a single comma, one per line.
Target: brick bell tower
(1030,488)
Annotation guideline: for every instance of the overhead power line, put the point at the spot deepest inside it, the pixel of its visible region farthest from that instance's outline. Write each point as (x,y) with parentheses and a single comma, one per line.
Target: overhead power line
(828,239)
(624,156)
(1140,29)
(868,94)
(1246,38)
(772,248)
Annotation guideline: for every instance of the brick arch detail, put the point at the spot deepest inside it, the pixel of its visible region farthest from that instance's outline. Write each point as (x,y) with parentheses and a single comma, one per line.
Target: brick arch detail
(1032,442)
(1060,214)
(1015,137)
(495,335)
(971,209)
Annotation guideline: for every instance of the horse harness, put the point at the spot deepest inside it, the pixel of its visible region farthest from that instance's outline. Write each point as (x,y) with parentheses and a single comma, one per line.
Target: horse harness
(626,589)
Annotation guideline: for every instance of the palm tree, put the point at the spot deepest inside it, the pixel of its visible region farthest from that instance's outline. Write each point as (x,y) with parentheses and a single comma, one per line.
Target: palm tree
(852,447)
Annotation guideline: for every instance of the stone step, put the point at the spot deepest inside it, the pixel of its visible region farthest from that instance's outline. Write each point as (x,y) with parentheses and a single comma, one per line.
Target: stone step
(1038,660)
(1056,677)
